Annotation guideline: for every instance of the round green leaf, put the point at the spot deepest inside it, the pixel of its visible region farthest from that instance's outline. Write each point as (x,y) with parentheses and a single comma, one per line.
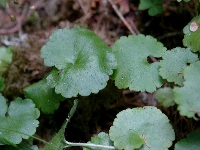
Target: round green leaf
(133,70)
(174,62)
(43,96)
(101,139)
(187,97)
(191,38)
(83,60)
(137,126)
(19,120)
(192,142)
(165,96)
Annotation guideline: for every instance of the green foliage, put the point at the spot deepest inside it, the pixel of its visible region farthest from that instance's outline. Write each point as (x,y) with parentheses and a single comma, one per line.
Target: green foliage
(43,96)
(174,62)
(57,142)
(191,38)
(133,69)
(82,65)
(1,83)
(83,61)
(165,96)
(3,2)
(101,139)
(153,6)
(5,59)
(190,143)
(137,126)
(18,120)
(187,97)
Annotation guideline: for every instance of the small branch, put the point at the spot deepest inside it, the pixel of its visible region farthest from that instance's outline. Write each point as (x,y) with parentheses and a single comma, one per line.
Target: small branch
(69,144)
(19,21)
(82,7)
(121,17)
(26,12)
(168,35)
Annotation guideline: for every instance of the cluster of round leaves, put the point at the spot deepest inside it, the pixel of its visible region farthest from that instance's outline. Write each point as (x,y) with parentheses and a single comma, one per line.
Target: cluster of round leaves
(181,66)
(83,62)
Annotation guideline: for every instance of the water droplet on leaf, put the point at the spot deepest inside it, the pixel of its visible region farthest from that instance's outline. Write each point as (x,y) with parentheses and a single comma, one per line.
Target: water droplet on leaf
(194,26)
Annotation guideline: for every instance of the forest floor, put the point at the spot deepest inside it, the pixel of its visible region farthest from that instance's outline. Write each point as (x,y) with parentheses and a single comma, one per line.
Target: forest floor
(35,20)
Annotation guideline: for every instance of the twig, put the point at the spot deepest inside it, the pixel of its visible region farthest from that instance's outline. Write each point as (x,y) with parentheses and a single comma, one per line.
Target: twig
(133,26)
(21,19)
(82,7)
(121,17)
(19,22)
(169,34)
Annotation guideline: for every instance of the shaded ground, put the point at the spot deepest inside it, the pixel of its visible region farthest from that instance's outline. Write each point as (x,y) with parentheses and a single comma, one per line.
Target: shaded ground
(35,21)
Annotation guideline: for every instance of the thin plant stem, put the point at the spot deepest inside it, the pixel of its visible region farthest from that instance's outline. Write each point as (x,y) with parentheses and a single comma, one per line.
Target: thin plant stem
(69,144)
(121,17)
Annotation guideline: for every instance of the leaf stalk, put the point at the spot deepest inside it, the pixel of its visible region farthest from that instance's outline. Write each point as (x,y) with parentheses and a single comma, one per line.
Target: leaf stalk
(70,144)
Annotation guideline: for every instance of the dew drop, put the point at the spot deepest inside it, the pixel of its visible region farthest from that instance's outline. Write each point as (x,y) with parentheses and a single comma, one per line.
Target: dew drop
(194,26)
